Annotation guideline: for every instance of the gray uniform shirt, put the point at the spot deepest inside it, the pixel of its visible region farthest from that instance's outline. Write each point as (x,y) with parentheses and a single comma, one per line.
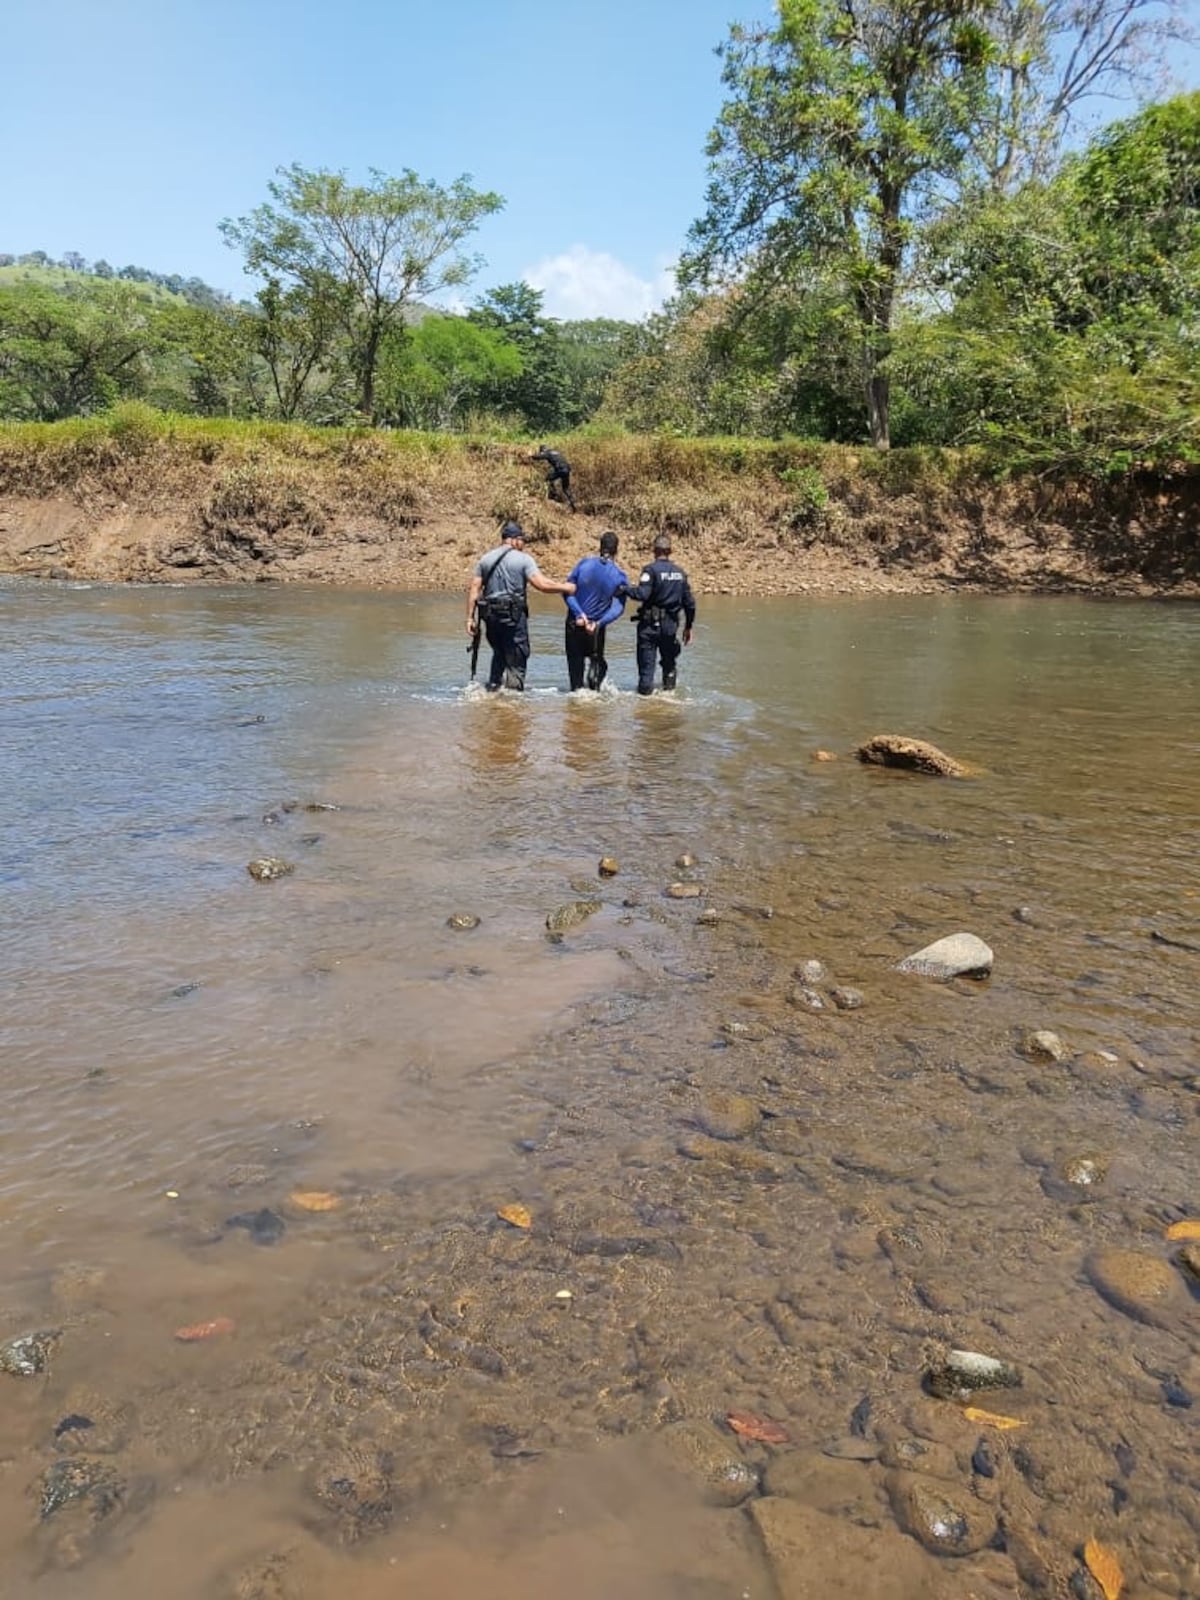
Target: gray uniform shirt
(510,577)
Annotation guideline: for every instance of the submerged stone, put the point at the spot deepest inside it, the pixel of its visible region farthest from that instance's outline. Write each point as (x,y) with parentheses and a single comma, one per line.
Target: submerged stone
(1142,1286)
(267,868)
(964,1372)
(28,1354)
(947,1520)
(727,1116)
(462,921)
(264,1226)
(712,1460)
(569,916)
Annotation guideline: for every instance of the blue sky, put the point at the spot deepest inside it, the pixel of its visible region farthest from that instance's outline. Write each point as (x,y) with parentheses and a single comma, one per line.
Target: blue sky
(133,127)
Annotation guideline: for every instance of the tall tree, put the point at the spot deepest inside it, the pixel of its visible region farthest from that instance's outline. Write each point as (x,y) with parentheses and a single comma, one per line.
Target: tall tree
(845,121)
(389,243)
(1051,59)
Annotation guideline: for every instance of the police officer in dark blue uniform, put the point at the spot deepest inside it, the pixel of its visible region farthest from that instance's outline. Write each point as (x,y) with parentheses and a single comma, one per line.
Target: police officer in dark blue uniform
(665,594)
(559,473)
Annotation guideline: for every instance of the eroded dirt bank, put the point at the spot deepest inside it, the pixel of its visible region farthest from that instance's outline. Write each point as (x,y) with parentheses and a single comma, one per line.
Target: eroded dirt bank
(414,514)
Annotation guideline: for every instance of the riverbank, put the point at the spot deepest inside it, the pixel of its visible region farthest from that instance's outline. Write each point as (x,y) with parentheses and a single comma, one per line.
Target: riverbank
(135,496)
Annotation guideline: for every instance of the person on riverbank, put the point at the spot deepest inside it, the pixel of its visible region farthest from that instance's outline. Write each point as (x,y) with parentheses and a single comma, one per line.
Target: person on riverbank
(497,599)
(560,472)
(665,595)
(595,604)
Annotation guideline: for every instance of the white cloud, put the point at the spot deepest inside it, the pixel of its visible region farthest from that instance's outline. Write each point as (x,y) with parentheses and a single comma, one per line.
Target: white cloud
(591,283)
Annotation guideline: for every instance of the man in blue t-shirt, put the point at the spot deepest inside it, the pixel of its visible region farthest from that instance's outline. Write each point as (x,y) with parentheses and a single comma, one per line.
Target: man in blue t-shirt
(590,610)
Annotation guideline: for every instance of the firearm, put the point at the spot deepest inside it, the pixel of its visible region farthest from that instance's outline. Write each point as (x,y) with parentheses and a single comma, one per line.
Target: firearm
(473,647)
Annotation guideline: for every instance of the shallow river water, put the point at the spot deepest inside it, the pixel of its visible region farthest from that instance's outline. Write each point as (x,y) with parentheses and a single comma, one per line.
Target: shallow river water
(417,1397)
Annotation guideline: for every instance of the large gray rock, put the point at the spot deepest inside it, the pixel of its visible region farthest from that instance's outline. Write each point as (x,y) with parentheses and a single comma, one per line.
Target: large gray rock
(914,755)
(958,955)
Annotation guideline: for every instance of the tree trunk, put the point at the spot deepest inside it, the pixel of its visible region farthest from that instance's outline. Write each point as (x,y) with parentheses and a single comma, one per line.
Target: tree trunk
(368,361)
(878,402)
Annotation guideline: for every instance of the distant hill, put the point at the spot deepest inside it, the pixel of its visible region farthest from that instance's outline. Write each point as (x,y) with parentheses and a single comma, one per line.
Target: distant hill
(37,267)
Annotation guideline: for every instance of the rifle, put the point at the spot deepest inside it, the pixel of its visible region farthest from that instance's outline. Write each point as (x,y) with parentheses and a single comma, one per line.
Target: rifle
(473,647)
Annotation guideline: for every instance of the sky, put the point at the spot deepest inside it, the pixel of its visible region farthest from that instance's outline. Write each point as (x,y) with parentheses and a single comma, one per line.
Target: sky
(132,128)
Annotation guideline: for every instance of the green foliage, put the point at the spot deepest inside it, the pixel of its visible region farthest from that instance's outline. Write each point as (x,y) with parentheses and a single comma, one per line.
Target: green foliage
(434,374)
(361,252)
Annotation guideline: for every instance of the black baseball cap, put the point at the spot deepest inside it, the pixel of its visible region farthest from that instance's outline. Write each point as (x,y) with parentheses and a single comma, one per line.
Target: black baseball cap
(512,530)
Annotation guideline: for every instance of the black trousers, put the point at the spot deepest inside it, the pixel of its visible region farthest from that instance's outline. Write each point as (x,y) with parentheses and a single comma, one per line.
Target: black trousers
(585,655)
(561,475)
(509,639)
(656,641)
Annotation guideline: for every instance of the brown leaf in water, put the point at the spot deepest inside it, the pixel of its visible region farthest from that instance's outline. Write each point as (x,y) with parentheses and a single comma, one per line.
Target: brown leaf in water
(1103,1565)
(205,1330)
(993,1419)
(751,1426)
(314,1200)
(516,1216)
(1188,1229)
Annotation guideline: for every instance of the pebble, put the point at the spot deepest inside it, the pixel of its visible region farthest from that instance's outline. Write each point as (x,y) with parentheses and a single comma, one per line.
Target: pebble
(727,1116)
(810,972)
(571,915)
(745,1032)
(608,867)
(847,999)
(685,861)
(920,1455)
(684,891)
(1189,1260)
(1142,1286)
(708,918)
(267,868)
(805,999)
(28,1354)
(1042,1045)
(847,1448)
(463,921)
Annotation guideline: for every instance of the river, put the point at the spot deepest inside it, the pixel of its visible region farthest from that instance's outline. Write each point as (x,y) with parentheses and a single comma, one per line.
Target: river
(412,1395)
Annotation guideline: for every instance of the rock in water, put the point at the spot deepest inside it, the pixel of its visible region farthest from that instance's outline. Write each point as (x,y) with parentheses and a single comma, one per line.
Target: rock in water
(264,1227)
(727,1116)
(959,955)
(712,1460)
(571,915)
(946,1519)
(267,868)
(462,921)
(29,1353)
(1141,1286)
(1042,1045)
(846,999)
(965,1372)
(608,867)
(914,755)
(684,891)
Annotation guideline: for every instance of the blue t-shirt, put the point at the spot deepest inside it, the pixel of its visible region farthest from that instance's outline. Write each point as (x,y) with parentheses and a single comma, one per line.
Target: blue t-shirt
(596,580)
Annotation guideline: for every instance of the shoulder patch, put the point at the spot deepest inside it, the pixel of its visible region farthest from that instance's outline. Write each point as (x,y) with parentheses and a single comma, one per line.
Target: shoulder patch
(645,578)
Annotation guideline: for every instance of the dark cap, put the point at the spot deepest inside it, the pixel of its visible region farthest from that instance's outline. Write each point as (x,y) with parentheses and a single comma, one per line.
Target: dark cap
(662,541)
(512,530)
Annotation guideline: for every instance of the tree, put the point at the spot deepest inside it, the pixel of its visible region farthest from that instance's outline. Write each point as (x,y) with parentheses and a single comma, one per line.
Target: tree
(538,391)
(430,376)
(845,123)
(388,243)
(69,351)
(1050,58)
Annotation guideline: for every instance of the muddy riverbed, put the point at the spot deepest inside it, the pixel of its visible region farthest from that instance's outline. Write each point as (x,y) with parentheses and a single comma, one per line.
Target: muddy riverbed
(748,1167)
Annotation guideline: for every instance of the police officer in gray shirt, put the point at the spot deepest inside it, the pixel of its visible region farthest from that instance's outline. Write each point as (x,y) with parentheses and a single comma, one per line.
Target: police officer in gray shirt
(497,598)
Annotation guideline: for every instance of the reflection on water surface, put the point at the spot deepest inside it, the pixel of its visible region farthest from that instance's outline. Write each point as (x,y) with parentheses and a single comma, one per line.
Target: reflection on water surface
(738,1201)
